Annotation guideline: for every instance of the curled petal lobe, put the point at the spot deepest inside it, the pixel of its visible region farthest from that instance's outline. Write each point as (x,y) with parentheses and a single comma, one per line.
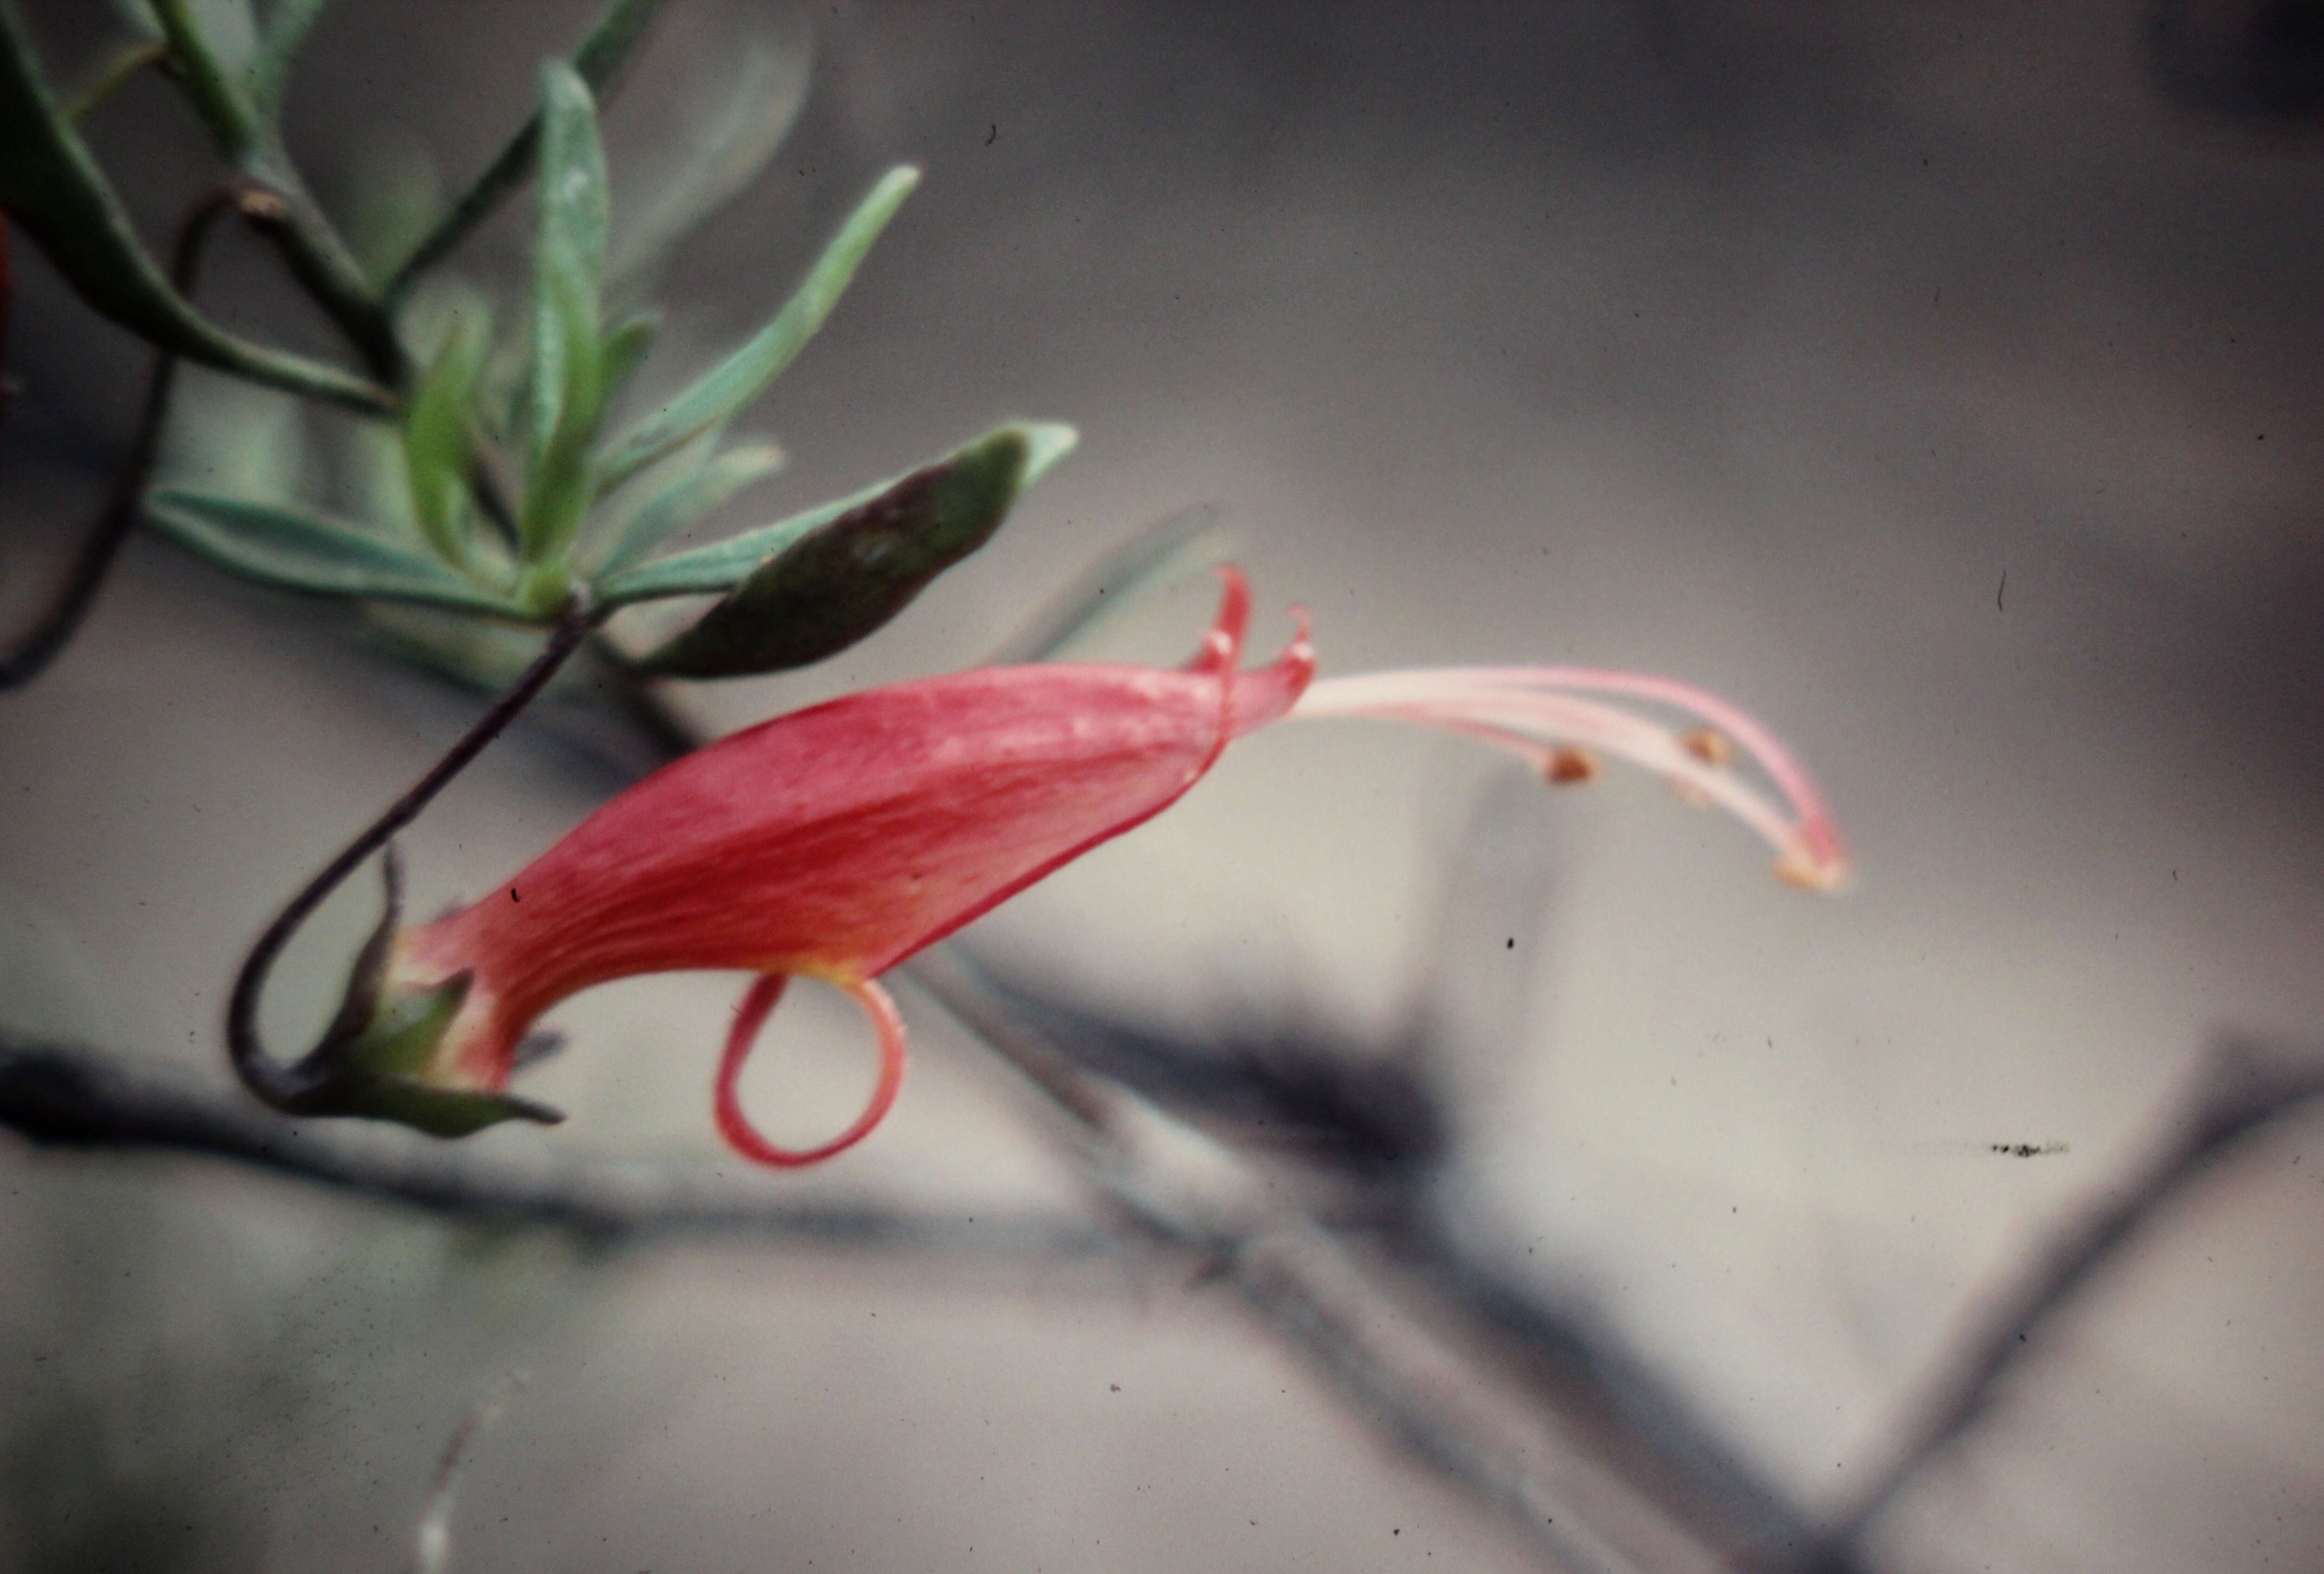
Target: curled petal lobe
(735,1125)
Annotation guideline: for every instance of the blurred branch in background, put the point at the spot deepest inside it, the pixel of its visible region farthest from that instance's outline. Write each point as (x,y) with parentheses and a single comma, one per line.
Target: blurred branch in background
(1419,1336)
(2240,1090)
(1535,1464)
(62,1097)
(1536,1411)
(1168,1187)
(1581,1371)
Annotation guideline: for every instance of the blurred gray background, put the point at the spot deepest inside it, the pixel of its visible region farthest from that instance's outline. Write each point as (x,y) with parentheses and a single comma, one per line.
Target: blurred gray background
(1751,345)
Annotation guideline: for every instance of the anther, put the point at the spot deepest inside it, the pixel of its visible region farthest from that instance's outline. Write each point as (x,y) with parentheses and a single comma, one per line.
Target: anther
(1569,766)
(1711,746)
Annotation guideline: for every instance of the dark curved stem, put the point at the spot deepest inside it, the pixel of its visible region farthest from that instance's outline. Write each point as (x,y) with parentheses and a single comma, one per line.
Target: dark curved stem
(30,656)
(287,1087)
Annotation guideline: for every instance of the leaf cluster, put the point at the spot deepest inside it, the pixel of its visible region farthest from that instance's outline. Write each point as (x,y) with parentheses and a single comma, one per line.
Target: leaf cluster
(520,480)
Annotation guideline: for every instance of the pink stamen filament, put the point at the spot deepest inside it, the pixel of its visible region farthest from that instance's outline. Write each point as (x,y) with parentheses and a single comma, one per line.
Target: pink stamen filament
(1529,710)
(736,1126)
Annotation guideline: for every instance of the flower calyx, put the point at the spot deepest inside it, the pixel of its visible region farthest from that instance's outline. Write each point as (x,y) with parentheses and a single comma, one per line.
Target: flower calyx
(374,1059)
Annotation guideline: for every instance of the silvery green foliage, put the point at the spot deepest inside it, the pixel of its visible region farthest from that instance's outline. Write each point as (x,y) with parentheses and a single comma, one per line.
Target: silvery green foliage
(515,489)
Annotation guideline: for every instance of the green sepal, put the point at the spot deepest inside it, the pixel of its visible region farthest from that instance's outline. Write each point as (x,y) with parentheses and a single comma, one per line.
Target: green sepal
(438,1111)
(839,582)
(375,1072)
(398,1032)
(374,1058)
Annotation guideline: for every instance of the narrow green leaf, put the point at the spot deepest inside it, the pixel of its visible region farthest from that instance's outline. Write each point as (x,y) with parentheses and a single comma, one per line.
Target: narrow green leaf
(599,61)
(687,498)
(1164,553)
(744,376)
(52,188)
(574,207)
(725,150)
(502,400)
(369,481)
(444,304)
(567,394)
(723,565)
(838,583)
(437,447)
(569,248)
(566,379)
(294,549)
(564,338)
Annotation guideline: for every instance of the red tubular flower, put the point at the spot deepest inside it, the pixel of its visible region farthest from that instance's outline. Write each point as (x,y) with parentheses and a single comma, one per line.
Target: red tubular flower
(834,843)
(838,840)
